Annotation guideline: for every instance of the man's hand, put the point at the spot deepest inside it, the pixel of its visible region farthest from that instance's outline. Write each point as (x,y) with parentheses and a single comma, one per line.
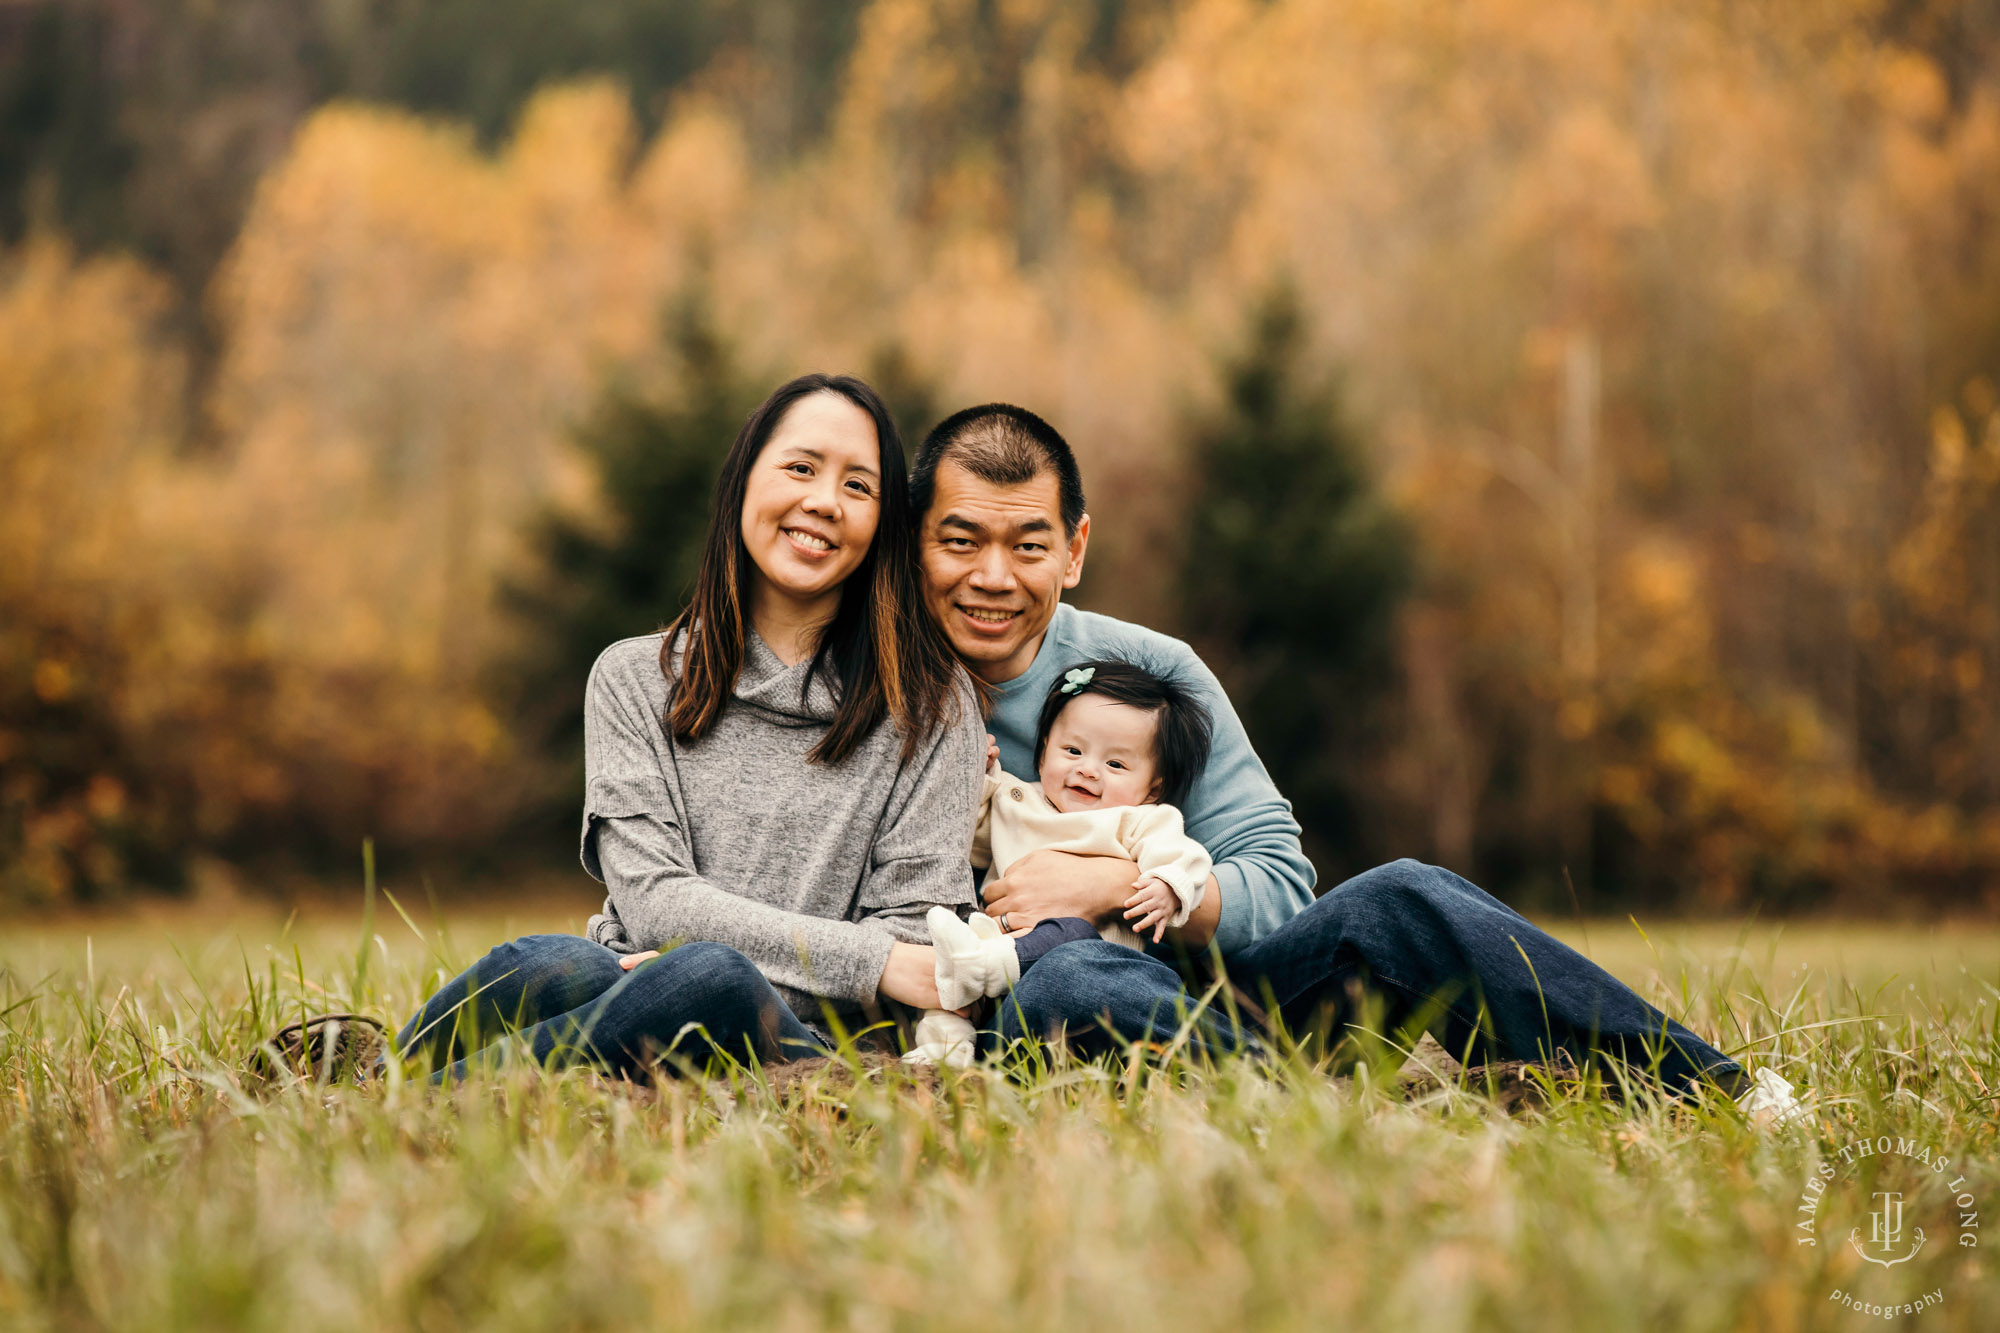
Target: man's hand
(1044,885)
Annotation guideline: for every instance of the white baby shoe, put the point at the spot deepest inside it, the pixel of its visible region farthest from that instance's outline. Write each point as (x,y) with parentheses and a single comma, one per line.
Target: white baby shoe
(1771,1103)
(943,1038)
(975,959)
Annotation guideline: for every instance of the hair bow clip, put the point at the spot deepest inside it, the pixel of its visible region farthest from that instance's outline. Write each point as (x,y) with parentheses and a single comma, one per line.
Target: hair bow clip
(1074,681)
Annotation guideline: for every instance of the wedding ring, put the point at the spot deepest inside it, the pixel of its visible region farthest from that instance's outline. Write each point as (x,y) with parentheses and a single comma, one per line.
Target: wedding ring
(1003,923)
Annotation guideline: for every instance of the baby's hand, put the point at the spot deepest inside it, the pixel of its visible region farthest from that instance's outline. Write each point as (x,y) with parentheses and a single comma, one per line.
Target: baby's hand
(1154,905)
(992,755)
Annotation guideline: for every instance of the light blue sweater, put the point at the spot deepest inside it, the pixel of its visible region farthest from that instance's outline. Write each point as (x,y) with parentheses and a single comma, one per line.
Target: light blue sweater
(1234,810)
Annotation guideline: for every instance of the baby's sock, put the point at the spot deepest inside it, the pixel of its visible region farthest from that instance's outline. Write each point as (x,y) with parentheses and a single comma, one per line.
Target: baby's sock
(974,959)
(943,1038)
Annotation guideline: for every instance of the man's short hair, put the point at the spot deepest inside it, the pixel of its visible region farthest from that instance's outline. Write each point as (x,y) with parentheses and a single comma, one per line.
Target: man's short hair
(1003,445)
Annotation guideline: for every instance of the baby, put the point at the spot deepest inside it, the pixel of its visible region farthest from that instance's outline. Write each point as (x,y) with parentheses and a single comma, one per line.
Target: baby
(1119,747)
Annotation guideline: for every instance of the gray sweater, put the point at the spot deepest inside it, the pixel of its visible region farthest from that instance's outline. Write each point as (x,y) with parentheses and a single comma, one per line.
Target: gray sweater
(809,870)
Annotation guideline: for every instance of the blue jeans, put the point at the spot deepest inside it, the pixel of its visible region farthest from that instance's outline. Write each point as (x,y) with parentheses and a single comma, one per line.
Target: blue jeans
(561,999)
(1050,935)
(1402,946)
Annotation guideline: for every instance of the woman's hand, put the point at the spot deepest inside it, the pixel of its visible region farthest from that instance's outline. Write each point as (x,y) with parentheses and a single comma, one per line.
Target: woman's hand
(632,960)
(911,976)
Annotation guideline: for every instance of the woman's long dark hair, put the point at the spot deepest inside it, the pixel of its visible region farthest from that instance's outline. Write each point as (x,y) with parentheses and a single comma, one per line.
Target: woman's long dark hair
(883,654)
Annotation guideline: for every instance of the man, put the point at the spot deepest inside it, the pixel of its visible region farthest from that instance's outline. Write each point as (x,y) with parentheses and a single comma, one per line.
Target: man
(1003,533)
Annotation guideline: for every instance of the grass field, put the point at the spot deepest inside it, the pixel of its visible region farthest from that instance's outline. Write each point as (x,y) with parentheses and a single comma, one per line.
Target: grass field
(142,1186)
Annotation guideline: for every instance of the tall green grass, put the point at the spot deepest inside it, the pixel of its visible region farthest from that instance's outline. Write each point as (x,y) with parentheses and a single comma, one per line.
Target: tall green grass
(145,1185)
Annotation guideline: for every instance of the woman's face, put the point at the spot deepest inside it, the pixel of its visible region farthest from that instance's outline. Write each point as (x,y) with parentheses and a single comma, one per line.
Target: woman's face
(814,498)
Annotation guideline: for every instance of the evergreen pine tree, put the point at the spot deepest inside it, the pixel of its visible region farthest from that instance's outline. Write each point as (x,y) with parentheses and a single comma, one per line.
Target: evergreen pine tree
(630,568)
(1294,571)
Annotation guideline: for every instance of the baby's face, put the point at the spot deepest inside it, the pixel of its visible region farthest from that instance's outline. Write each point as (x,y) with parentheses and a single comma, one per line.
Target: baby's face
(1099,755)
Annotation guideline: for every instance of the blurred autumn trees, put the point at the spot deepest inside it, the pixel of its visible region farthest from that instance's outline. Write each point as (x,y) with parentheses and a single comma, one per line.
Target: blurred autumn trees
(1668,332)
(148,125)
(1293,575)
(627,564)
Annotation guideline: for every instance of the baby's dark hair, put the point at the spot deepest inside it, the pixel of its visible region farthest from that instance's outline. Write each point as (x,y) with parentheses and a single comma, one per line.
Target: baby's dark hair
(1180,736)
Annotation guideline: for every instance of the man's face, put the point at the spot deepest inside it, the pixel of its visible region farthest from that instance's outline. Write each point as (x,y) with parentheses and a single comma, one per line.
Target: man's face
(996,561)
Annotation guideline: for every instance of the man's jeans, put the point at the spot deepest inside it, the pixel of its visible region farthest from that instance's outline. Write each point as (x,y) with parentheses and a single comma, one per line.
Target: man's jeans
(562,999)
(1402,946)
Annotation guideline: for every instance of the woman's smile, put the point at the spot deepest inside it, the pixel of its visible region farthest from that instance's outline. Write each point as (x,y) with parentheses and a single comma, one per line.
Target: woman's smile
(810,544)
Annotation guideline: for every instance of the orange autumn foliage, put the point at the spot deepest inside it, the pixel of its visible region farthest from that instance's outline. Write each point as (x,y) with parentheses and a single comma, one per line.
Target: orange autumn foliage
(1773,226)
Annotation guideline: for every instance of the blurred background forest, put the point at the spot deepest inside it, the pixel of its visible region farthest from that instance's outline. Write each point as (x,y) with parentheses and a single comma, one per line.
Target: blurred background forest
(1570,427)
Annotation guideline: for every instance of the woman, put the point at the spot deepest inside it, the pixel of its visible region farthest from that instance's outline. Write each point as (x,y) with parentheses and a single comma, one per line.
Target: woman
(782,782)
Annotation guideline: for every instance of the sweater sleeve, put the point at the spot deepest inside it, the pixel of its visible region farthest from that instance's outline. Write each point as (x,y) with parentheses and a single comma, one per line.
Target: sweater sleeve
(919,856)
(1235,812)
(635,841)
(660,902)
(1162,848)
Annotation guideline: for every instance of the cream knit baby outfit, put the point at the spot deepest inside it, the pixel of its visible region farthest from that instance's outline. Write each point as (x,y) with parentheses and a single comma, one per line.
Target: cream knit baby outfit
(1016,818)
(975,959)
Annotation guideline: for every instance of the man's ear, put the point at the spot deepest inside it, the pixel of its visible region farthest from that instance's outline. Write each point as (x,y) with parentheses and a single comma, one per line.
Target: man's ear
(1076,549)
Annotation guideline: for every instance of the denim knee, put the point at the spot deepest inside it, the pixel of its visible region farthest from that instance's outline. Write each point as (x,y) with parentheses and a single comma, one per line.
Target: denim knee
(565,960)
(1069,964)
(1065,986)
(706,966)
(1395,887)
(520,982)
(558,950)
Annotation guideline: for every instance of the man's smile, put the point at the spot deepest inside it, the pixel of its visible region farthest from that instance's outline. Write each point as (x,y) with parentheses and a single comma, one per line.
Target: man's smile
(989,617)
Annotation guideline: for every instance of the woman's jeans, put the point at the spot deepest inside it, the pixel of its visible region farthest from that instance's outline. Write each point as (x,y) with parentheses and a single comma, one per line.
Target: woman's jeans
(562,999)
(1399,949)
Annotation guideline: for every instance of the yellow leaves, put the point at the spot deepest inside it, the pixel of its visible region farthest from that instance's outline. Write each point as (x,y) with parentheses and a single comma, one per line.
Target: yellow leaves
(1930,564)
(1912,89)
(1658,631)
(1181,112)
(1968,671)
(1586,181)
(571,149)
(1707,767)
(104,798)
(414,327)
(55,680)
(694,181)
(1662,577)
(478,730)
(1751,211)
(1576,719)
(88,397)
